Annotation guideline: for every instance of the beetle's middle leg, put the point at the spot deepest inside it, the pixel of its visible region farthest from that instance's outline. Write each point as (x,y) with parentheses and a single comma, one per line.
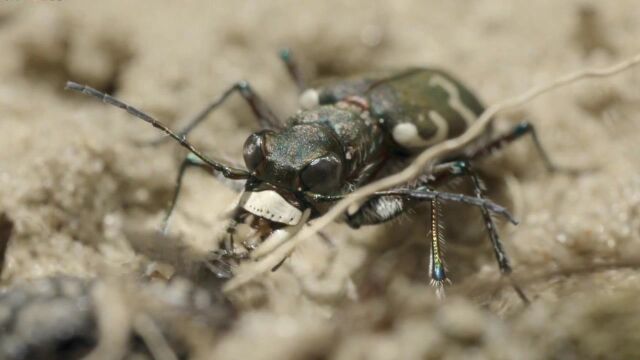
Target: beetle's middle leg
(264,115)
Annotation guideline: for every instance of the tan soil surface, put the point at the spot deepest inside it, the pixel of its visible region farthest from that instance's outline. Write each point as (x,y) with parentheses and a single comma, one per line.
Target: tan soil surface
(87,200)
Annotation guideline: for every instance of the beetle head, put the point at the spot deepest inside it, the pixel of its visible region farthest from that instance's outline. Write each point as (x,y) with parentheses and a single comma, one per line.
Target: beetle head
(304,157)
(285,165)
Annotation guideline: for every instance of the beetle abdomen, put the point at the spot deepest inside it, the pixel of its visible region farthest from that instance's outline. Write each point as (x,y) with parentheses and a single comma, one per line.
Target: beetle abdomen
(422,107)
(417,107)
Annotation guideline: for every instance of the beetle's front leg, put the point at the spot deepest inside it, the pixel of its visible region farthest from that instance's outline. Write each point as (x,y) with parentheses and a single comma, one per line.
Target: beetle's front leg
(444,172)
(393,202)
(192,161)
(222,259)
(437,270)
(387,207)
(463,168)
(377,210)
(382,209)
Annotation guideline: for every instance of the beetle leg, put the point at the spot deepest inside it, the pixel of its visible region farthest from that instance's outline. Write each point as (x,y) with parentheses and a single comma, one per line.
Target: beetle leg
(266,118)
(220,260)
(395,202)
(463,168)
(521,129)
(218,264)
(386,205)
(423,193)
(377,210)
(501,256)
(293,69)
(382,209)
(437,269)
(405,194)
(193,161)
(498,249)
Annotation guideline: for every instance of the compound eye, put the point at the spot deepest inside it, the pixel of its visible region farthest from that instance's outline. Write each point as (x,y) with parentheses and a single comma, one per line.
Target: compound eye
(322,175)
(253,152)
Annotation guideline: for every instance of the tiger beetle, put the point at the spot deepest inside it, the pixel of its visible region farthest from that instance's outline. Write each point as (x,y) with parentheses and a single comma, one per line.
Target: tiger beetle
(349,132)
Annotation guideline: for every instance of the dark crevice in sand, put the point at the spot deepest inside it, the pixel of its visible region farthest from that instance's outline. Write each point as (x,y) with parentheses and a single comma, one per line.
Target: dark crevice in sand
(6,229)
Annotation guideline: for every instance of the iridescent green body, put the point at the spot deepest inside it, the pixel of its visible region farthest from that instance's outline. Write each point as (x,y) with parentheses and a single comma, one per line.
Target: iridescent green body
(400,113)
(364,122)
(349,132)
(438,105)
(358,126)
(360,139)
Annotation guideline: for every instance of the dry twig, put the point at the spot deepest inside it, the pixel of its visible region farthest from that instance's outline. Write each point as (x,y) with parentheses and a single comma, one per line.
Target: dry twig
(114,322)
(153,338)
(426,158)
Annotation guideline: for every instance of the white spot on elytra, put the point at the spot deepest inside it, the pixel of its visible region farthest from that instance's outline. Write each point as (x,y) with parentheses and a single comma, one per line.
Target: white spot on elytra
(309,99)
(442,127)
(407,135)
(454,98)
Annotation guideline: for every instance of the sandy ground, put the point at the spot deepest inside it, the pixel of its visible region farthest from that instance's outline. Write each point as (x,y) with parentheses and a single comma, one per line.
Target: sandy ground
(86,199)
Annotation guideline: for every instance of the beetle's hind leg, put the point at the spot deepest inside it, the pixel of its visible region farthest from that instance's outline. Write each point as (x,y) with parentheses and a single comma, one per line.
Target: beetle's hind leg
(517,132)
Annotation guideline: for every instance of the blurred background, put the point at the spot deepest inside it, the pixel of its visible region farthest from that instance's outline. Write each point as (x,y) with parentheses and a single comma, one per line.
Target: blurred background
(86,199)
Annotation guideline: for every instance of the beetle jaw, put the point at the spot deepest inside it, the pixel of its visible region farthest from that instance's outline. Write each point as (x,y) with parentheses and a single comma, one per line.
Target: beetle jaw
(270,205)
